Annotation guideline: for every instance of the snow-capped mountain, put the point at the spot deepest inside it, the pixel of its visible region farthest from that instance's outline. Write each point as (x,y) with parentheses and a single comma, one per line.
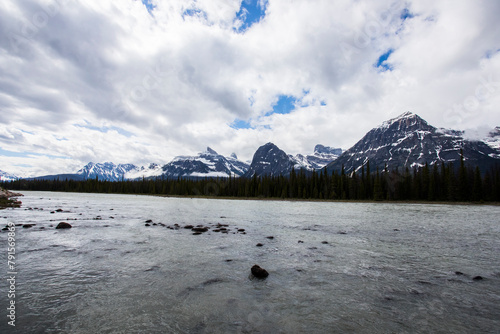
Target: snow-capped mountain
(205,164)
(493,140)
(409,141)
(107,171)
(151,171)
(4,176)
(272,161)
(322,156)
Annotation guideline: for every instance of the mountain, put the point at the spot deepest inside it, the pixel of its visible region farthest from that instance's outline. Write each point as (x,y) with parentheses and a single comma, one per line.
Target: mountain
(4,176)
(270,160)
(322,156)
(107,171)
(493,140)
(205,164)
(409,141)
(153,170)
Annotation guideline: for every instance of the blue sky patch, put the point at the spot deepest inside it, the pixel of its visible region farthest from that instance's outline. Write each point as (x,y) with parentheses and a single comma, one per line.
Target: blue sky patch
(285,105)
(251,11)
(194,12)
(6,153)
(105,129)
(149,5)
(240,124)
(406,14)
(382,63)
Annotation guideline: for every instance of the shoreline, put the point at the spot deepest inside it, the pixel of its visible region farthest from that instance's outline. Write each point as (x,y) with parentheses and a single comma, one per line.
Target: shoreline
(7,199)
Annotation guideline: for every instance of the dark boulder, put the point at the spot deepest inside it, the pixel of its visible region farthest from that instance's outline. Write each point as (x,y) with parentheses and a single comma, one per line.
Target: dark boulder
(259,272)
(259,245)
(199,229)
(63,225)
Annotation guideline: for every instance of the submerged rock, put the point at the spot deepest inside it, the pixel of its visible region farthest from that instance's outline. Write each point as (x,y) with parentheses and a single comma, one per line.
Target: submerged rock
(199,229)
(63,225)
(477,278)
(259,272)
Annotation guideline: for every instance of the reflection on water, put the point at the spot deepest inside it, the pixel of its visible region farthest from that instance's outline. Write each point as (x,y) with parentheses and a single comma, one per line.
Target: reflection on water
(334,267)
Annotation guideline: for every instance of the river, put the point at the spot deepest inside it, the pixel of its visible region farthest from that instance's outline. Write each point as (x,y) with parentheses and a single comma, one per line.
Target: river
(333,267)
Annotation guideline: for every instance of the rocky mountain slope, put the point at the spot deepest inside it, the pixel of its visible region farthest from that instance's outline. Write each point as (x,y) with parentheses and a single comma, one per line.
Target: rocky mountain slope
(409,141)
(206,164)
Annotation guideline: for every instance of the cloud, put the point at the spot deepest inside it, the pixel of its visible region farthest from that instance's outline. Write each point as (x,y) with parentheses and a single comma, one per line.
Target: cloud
(127,82)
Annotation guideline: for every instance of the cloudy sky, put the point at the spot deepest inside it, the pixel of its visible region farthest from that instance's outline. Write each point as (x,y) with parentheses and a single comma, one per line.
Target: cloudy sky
(132,81)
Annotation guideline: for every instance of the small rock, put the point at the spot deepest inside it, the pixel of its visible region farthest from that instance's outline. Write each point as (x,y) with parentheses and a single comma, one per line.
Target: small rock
(459,273)
(188,227)
(63,225)
(259,245)
(199,229)
(241,230)
(197,233)
(324,242)
(396,230)
(259,272)
(154,224)
(477,278)
(28,225)
(342,232)
(59,210)
(270,237)
(147,224)
(149,221)
(301,242)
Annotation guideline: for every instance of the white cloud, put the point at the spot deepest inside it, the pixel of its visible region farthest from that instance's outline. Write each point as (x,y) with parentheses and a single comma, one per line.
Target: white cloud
(176,82)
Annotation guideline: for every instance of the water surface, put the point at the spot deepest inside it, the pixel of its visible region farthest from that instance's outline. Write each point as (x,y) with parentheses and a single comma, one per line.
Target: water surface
(334,267)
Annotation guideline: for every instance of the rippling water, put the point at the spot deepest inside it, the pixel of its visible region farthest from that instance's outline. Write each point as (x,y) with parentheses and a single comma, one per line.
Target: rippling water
(334,267)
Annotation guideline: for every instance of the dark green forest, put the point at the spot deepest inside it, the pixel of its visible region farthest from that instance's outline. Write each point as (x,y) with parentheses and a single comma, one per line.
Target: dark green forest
(443,183)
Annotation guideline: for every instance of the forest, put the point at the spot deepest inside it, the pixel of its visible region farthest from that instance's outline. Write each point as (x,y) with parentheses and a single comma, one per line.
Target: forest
(442,183)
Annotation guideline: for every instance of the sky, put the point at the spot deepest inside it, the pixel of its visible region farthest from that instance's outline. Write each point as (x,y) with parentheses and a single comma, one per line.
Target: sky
(132,81)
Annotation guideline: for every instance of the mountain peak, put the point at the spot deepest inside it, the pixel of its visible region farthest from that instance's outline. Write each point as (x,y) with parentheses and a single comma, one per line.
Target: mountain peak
(210,151)
(407,121)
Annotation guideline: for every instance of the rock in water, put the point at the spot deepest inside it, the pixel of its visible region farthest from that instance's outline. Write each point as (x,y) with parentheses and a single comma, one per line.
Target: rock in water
(259,272)
(63,225)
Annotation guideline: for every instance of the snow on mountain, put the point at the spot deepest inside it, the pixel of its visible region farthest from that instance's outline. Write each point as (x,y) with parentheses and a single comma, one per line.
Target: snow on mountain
(4,176)
(151,171)
(272,161)
(206,164)
(107,171)
(322,156)
(493,141)
(409,141)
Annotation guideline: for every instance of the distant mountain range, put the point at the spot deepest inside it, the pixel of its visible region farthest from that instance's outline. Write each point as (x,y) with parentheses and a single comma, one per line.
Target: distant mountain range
(404,141)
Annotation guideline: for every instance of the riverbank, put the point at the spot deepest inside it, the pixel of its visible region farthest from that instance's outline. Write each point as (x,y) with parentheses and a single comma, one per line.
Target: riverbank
(7,199)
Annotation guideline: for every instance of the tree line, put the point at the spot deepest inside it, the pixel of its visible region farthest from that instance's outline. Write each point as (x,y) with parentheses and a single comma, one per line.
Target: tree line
(439,182)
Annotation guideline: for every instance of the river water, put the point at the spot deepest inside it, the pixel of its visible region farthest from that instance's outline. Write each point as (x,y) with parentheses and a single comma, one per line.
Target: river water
(333,267)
